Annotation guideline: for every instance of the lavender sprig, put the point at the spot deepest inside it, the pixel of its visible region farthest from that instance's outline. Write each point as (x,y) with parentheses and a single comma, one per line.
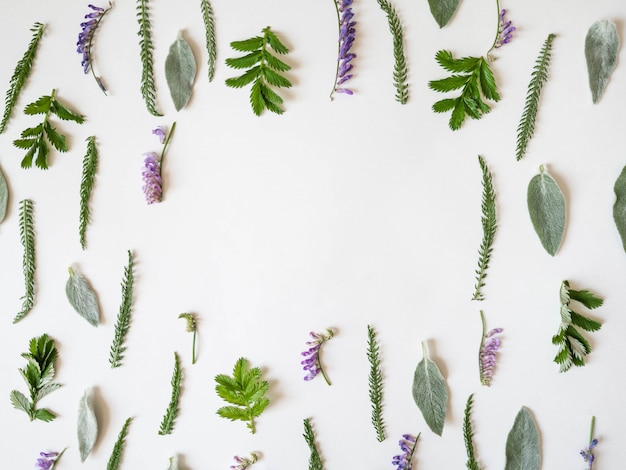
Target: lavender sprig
(243,463)
(153,167)
(407,445)
(504,33)
(312,364)
(489,346)
(48,460)
(587,454)
(347,32)
(85,40)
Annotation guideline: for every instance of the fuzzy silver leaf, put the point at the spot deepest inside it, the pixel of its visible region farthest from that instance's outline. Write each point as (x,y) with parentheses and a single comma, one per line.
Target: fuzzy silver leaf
(522,444)
(619,208)
(546,206)
(430,393)
(443,10)
(82,297)
(87,428)
(4,196)
(601,46)
(180,71)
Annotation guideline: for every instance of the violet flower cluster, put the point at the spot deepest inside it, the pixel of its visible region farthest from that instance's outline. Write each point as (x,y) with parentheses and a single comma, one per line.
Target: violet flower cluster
(347,33)
(85,38)
(151,173)
(487,355)
(47,460)
(505,30)
(243,463)
(312,364)
(407,446)
(587,454)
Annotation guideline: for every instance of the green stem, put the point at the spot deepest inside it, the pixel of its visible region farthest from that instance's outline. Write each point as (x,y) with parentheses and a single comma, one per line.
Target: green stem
(167,141)
(95,28)
(593,424)
(321,368)
(193,348)
(495,40)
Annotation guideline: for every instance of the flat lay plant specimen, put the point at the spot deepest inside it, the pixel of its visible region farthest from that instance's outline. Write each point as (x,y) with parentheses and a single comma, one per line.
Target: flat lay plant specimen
(619,208)
(408,445)
(35,139)
(400,69)
(49,460)
(180,71)
(244,463)
(82,297)
(347,35)
(430,392)
(489,346)
(38,375)
(118,448)
(573,347)
(315,459)
(546,206)
(148,86)
(587,454)
(169,419)
(375,384)
(87,424)
(263,70)
(122,324)
(523,450)
(601,49)
(4,196)
(152,173)
(192,327)
(208,18)
(312,365)
(443,10)
(86,37)
(468,435)
(90,167)
(27,237)
(245,391)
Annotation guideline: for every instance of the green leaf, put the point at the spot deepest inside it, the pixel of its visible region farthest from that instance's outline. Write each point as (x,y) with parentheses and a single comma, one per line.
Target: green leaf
(118,448)
(65,113)
(19,401)
(57,140)
(488,82)
(522,444)
(275,63)
(468,435)
(40,106)
(601,48)
(248,45)
(45,415)
(4,196)
(87,425)
(169,418)
(27,237)
(245,79)
(315,460)
(122,324)
(180,71)
(588,299)
(444,106)
(46,389)
(619,208)
(454,82)
(148,86)
(32,132)
(209,27)
(24,143)
(82,297)
(246,61)
(430,393)
(375,384)
(273,41)
(446,60)
(274,79)
(443,10)
(90,166)
(546,206)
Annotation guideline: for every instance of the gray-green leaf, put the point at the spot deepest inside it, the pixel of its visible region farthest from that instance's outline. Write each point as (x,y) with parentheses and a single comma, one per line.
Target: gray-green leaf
(180,71)
(443,10)
(430,393)
(546,205)
(601,45)
(4,196)
(619,208)
(82,297)
(173,463)
(522,444)
(87,429)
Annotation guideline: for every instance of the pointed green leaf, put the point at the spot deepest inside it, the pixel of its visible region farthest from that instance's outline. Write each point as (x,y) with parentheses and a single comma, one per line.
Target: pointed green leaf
(4,196)
(44,414)
(445,105)
(180,71)
(275,79)
(430,393)
(454,82)
(522,444)
(57,140)
(443,10)
(245,79)
(247,61)
(87,428)
(601,47)
(546,205)
(19,401)
(619,208)
(24,143)
(248,45)
(41,106)
(274,42)
(588,299)
(66,114)
(276,63)
(82,297)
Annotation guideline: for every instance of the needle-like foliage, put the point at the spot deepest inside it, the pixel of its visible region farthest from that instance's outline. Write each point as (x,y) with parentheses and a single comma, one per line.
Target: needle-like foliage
(167,424)
(488,221)
(122,325)
(90,166)
(263,70)
(27,237)
(20,74)
(375,384)
(148,87)
(538,78)
(400,69)
(468,435)
(209,26)
(118,447)
(315,460)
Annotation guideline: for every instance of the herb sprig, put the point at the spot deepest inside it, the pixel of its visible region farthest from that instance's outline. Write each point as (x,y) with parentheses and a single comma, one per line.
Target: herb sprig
(209,26)
(167,424)
(315,460)
(192,327)
(90,166)
(122,325)
(468,435)
(118,447)
(400,69)
(27,237)
(148,87)
(375,384)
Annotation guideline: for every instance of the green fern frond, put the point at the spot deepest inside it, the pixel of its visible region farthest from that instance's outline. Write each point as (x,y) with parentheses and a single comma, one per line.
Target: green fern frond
(20,74)
(538,78)
(118,447)
(400,69)
(167,424)
(315,460)
(488,221)
(468,435)
(148,87)
(90,166)
(27,237)
(263,68)
(209,26)
(375,384)
(122,325)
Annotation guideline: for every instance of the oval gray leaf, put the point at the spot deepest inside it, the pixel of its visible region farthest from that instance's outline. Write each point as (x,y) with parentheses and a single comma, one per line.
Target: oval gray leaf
(443,10)
(87,428)
(601,45)
(546,206)
(4,196)
(619,208)
(82,297)
(431,394)
(522,444)
(180,71)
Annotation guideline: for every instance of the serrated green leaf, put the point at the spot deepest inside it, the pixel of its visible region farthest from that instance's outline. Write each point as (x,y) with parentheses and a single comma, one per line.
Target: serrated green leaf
(430,393)
(246,61)
(43,414)
(4,196)
(275,63)
(270,97)
(82,297)
(118,447)
(245,79)
(455,82)
(32,131)
(248,45)
(447,61)
(87,425)
(24,143)
(41,160)
(57,140)
(274,42)
(601,48)
(522,444)
(488,82)
(40,106)
(619,208)
(546,206)
(588,299)
(256,99)
(19,401)
(443,10)
(180,72)
(233,413)
(443,106)
(274,79)
(46,389)
(65,113)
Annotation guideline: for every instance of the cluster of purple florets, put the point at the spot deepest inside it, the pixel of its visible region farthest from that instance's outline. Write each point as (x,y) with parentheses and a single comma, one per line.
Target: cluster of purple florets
(488,352)
(407,446)
(505,31)
(88,28)
(347,33)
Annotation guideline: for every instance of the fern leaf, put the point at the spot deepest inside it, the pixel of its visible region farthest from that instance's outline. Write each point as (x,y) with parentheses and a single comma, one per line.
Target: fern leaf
(468,435)
(315,460)
(209,26)
(447,61)
(167,424)
(400,69)
(539,76)
(122,325)
(20,74)
(148,87)
(90,166)
(375,384)
(489,224)
(118,447)
(27,237)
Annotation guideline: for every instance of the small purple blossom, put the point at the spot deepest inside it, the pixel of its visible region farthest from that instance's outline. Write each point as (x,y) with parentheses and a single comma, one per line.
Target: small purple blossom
(47,460)
(407,445)
(161,133)
(243,463)
(347,32)
(489,346)
(505,30)
(85,39)
(587,454)
(312,364)
(151,174)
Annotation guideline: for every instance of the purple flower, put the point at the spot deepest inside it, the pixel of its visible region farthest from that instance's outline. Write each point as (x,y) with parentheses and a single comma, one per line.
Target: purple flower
(407,445)
(161,133)
(505,31)
(85,38)
(243,462)
(47,460)
(151,174)
(587,453)
(489,346)
(312,364)
(347,33)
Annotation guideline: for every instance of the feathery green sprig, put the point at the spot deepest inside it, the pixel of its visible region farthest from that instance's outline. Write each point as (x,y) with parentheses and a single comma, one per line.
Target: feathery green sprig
(118,447)
(488,221)
(468,435)
(209,26)
(20,74)
(122,325)
(400,69)
(167,424)
(38,375)
(375,384)
(538,78)
(315,460)
(192,327)
(573,346)
(148,87)
(90,166)
(27,237)
(263,68)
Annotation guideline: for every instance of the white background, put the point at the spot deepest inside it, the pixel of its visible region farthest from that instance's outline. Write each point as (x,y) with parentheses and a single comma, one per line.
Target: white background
(336,214)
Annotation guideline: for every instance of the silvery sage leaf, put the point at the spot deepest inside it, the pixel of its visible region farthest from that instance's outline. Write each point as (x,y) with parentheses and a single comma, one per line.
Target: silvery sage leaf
(546,205)
(601,45)
(87,429)
(430,393)
(522,444)
(4,196)
(443,10)
(619,208)
(180,71)
(82,297)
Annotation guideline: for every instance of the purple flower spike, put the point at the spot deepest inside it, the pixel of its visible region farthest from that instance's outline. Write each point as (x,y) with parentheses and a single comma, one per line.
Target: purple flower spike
(505,31)
(151,174)
(161,133)
(347,34)
(489,346)
(85,39)
(407,445)
(243,463)
(312,364)
(47,460)
(587,454)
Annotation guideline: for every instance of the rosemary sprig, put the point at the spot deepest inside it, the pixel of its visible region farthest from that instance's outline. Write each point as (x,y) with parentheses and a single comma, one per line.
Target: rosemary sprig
(209,26)
(468,435)
(167,424)
(22,70)
(488,221)
(400,68)
(148,88)
(27,237)
(90,166)
(375,384)
(122,324)
(539,76)
(315,460)
(118,448)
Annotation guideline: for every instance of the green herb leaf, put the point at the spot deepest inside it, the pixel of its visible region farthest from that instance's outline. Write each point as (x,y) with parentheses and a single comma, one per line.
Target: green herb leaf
(4,196)
(209,26)
(400,69)
(82,297)
(443,10)
(619,208)
(167,424)
(522,444)
(148,87)
(601,47)
(27,237)
(180,71)
(375,384)
(430,393)
(87,428)
(90,166)
(468,435)
(122,325)
(315,460)
(546,206)
(173,463)
(118,448)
